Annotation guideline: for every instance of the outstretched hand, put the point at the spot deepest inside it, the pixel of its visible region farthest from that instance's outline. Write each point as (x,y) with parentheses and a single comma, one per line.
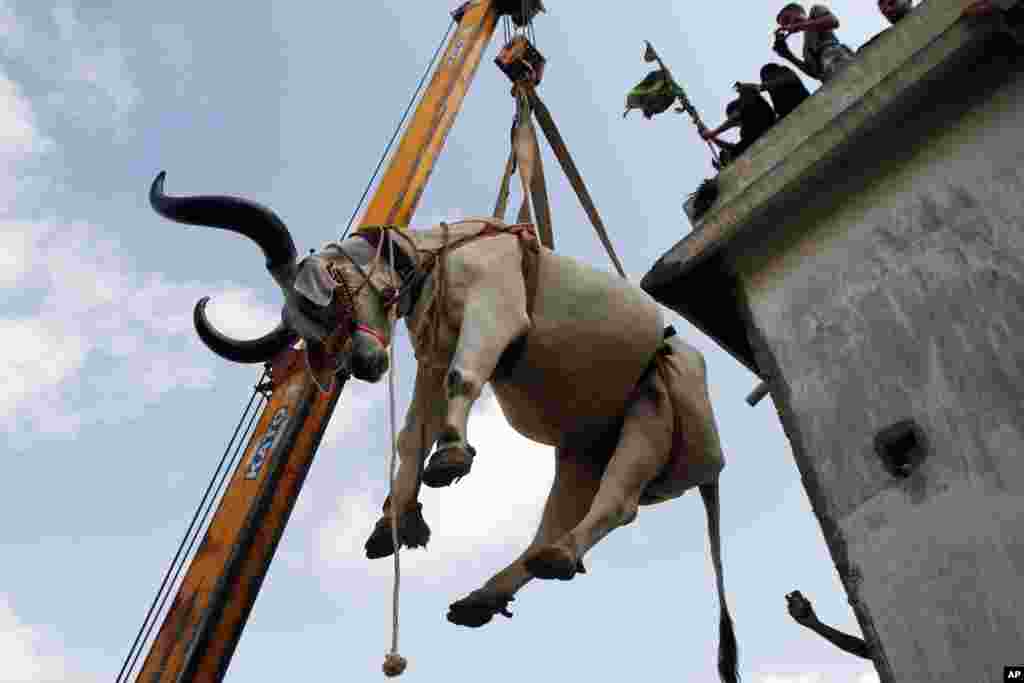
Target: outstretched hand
(780,46)
(800,609)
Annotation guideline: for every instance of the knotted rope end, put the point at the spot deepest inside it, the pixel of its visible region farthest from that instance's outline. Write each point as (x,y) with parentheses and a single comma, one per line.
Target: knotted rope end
(394,665)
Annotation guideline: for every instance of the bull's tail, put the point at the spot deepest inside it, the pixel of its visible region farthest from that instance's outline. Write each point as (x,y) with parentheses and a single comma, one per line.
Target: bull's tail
(728,651)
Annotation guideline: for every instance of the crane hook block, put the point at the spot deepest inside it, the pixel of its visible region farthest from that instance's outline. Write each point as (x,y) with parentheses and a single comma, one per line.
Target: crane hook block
(521,11)
(520,61)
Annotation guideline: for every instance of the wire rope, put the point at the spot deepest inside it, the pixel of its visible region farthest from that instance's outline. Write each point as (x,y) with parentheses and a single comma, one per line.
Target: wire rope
(398,129)
(191,533)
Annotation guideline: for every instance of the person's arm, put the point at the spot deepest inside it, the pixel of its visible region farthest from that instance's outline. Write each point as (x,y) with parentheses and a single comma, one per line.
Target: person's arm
(981,8)
(825,21)
(727,146)
(712,136)
(782,49)
(802,612)
(730,123)
(844,641)
(756,86)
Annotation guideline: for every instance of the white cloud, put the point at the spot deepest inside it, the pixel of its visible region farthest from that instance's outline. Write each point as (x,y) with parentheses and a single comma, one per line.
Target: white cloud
(82,64)
(817,677)
(19,136)
(494,510)
(26,651)
(96,309)
(17,246)
(355,405)
(21,143)
(91,306)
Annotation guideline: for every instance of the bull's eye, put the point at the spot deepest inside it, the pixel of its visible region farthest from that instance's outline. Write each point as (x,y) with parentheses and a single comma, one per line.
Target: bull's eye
(388,294)
(334,272)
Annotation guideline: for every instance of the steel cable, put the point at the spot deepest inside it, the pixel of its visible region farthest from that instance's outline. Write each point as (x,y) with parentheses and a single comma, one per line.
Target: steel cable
(191,533)
(398,129)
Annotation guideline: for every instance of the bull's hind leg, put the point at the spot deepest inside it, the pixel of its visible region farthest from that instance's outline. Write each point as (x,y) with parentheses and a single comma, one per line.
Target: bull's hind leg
(493,318)
(576,482)
(643,450)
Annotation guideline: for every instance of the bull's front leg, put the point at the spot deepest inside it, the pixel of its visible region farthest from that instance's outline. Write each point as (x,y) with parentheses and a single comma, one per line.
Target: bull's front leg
(422,424)
(493,318)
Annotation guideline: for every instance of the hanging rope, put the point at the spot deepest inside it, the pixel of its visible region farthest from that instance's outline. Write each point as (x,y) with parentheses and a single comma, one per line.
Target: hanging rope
(398,128)
(394,663)
(196,526)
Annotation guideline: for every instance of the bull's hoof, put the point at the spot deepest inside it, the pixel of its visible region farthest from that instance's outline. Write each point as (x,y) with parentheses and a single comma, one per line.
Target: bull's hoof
(413,532)
(554,562)
(478,608)
(449,463)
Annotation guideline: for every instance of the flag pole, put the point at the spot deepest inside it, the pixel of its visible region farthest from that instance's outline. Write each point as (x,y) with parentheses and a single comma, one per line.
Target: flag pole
(651,55)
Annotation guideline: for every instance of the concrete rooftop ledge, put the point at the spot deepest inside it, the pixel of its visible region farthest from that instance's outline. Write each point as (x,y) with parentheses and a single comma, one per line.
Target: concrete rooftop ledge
(792,158)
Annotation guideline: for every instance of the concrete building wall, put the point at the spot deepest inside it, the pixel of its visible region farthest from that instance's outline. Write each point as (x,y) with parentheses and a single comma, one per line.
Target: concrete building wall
(901,295)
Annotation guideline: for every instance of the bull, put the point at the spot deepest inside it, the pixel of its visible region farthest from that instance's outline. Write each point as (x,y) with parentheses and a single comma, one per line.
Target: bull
(577,359)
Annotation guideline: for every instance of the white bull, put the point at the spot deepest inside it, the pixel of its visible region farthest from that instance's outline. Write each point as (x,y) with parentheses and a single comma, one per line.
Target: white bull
(575,356)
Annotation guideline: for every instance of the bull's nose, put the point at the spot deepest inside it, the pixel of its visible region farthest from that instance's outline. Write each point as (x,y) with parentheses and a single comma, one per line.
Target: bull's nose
(370,367)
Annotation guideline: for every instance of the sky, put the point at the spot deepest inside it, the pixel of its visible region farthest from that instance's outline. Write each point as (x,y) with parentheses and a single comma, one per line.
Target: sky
(113,415)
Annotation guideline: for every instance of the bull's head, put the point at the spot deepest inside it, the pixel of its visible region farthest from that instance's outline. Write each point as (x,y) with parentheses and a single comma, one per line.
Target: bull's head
(351,282)
(365,290)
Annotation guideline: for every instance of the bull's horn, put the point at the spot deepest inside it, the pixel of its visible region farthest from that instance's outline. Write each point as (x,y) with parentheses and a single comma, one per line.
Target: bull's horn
(263,227)
(253,220)
(241,351)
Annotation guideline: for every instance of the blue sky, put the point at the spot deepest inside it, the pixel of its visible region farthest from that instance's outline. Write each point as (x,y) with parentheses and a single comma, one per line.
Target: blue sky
(113,415)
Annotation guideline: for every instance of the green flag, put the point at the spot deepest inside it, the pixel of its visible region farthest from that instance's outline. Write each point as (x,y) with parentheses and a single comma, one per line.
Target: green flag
(653,95)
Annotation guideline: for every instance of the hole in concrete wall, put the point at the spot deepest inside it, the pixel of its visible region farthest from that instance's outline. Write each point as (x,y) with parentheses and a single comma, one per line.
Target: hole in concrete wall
(901,447)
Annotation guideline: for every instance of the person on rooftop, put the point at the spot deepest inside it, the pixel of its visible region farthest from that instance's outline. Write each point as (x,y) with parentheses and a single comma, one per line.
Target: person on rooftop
(751,113)
(784,87)
(1008,14)
(894,10)
(823,55)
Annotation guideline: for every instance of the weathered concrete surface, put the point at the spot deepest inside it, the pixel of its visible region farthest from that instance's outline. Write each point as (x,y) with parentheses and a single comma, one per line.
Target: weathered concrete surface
(905,299)
(875,272)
